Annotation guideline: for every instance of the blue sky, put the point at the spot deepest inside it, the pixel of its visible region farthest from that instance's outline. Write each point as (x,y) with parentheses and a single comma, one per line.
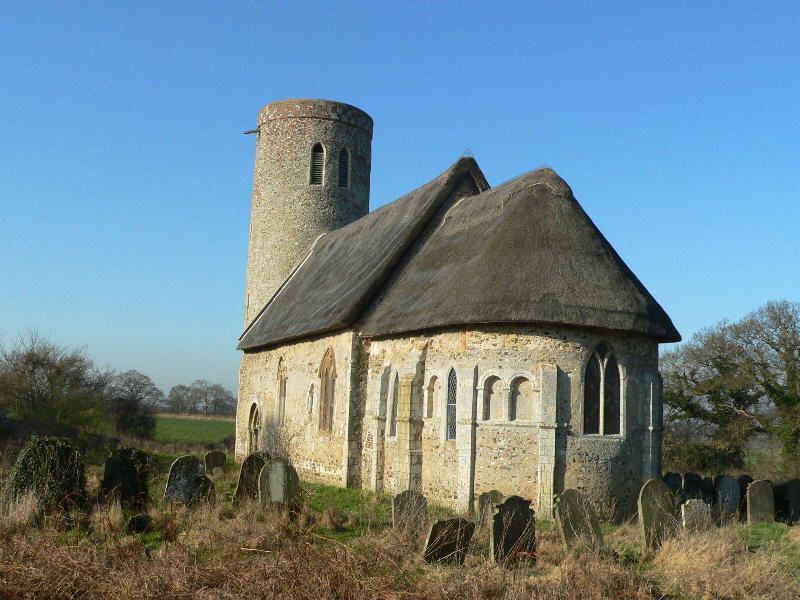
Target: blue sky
(125,181)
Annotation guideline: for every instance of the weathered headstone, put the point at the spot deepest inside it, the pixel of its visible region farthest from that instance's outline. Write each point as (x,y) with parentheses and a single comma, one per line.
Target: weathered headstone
(126,475)
(409,509)
(514,530)
(760,502)
(448,541)
(674,481)
(692,486)
(187,481)
(726,496)
(486,503)
(658,516)
(696,515)
(576,520)
(247,485)
(52,470)
(216,459)
(707,490)
(278,485)
(787,501)
(744,481)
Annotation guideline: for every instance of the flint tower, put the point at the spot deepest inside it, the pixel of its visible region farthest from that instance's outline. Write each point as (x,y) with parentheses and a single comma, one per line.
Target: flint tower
(311,177)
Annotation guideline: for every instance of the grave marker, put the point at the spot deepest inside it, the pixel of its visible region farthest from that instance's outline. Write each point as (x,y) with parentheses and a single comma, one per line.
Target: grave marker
(448,541)
(576,520)
(658,517)
(409,509)
(513,530)
(760,502)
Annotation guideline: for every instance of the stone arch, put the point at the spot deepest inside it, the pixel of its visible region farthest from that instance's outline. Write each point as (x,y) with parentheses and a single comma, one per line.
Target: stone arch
(327,382)
(602,409)
(254,429)
(430,395)
(491,407)
(521,399)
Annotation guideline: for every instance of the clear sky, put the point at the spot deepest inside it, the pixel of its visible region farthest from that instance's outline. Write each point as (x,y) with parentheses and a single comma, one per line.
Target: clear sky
(125,180)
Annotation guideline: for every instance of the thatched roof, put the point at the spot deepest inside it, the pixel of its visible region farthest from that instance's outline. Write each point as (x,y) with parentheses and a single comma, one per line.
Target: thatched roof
(345,268)
(524,252)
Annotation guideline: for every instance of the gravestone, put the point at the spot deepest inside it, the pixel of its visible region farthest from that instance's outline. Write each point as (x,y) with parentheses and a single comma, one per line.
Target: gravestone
(486,504)
(126,475)
(513,531)
(448,541)
(674,481)
(576,520)
(726,496)
(707,490)
(216,459)
(743,481)
(187,481)
(787,501)
(760,502)
(658,517)
(692,486)
(247,485)
(52,470)
(696,515)
(278,485)
(409,509)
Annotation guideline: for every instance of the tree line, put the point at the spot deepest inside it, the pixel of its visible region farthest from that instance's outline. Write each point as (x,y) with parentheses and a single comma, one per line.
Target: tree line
(734,387)
(48,388)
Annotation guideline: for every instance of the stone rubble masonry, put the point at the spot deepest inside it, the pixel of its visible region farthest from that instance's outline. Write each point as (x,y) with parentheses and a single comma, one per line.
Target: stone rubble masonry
(536,457)
(288,213)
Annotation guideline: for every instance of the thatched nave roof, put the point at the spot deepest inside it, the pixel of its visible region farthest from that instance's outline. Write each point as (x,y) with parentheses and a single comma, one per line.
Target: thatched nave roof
(524,252)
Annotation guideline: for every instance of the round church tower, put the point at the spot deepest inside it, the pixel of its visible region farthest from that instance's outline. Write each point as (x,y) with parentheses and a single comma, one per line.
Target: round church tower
(311,176)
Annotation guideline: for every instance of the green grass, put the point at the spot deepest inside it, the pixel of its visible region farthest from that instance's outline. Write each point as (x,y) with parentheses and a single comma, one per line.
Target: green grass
(188,430)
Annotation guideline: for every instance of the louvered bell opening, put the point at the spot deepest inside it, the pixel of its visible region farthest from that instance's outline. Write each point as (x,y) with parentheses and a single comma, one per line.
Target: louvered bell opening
(466,187)
(344,168)
(317,164)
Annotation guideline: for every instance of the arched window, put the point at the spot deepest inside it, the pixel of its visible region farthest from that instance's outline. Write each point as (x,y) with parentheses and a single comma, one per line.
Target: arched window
(452,387)
(395,398)
(253,429)
(317,165)
(491,393)
(281,392)
(327,381)
(344,168)
(520,400)
(601,394)
(431,397)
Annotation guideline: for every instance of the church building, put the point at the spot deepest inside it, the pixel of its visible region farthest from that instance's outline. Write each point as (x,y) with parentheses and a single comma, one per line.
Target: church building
(457,340)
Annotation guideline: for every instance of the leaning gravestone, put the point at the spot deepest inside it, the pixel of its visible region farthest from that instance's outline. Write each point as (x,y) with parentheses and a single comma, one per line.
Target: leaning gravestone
(726,496)
(409,509)
(787,501)
(216,459)
(674,481)
(52,470)
(514,530)
(486,504)
(247,485)
(278,485)
(126,475)
(576,520)
(448,541)
(707,490)
(658,517)
(760,503)
(696,515)
(187,481)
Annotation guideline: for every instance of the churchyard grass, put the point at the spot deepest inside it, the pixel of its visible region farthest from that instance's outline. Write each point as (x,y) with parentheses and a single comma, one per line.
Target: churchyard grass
(187,429)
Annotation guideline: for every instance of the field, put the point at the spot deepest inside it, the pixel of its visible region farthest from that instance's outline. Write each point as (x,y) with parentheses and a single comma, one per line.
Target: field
(342,545)
(184,429)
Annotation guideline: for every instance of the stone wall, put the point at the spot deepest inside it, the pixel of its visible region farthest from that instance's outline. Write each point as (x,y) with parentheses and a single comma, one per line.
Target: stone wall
(317,455)
(547,439)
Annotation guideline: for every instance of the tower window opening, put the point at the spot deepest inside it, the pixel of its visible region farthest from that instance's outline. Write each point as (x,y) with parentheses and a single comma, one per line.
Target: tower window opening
(452,385)
(317,164)
(344,168)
